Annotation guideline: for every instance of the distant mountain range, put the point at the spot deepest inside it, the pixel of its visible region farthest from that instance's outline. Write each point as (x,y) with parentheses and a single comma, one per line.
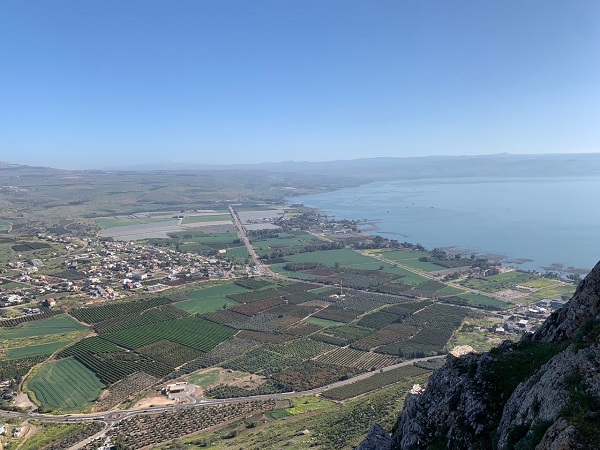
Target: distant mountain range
(386,168)
(500,165)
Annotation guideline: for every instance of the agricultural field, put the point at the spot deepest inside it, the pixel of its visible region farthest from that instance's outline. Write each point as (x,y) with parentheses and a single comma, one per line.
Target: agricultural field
(4,226)
(96,314)
(485,301)
(323,322)
(142,431)
(65,385)
(113,222)
(284,244)
(35,350)
(357,359)
(211,299)
(374,382)
(495,283)
(124,390)
(343,257)
(206,378)
(297,334)
(53,331)
(331,424)
(194,332)
(51,436)
(542,283)
(402,255)
(549,292)
(206,218)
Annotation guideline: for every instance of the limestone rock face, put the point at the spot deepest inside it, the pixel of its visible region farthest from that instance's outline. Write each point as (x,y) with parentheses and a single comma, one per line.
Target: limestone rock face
(377,439)
(540,393)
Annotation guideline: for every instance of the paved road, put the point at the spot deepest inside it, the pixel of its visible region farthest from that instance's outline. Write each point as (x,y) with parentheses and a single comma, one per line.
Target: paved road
(260,267)
(120,414)
(432,277)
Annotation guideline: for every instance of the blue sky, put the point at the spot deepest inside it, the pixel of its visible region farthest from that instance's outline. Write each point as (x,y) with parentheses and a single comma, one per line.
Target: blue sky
(96,83)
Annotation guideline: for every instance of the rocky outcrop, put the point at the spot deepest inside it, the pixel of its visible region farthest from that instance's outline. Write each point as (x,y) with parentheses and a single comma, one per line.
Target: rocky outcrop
(540,393)
(377,439)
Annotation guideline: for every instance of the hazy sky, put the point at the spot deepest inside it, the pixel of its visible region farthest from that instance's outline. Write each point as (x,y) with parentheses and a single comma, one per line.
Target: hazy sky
(96,83)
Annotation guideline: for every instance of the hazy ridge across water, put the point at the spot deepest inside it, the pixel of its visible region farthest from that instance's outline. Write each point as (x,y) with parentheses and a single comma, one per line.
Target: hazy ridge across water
(545,220)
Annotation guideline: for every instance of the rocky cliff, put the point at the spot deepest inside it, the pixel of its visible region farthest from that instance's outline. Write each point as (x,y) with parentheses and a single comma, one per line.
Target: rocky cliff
(540,393)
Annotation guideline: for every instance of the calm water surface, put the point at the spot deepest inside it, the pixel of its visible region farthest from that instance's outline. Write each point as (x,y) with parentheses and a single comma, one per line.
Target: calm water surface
(545,220)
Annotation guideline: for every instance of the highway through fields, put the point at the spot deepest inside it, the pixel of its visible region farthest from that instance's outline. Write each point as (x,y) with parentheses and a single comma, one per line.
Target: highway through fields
(115,416)
(262,269)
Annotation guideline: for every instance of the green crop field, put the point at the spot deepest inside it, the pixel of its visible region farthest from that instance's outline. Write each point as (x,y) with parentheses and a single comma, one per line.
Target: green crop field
(204,379)
(482,300)
(344,257)
(449,290)
(9,284)
(500,282)
(53,325)
(191,331)
(206,304)
(323,322)
(403,255)
(278,268)
(65,385)
(237,252)
(541,283)
(408,277)
(513,276)
(549,292)
(422,265)
(35,350)
(206,218)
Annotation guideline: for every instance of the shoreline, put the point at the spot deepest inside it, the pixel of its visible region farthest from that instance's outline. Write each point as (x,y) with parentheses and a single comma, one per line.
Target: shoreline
(372,226)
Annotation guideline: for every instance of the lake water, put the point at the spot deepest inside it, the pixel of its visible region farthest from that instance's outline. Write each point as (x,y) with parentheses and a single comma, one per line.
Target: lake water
(545,220)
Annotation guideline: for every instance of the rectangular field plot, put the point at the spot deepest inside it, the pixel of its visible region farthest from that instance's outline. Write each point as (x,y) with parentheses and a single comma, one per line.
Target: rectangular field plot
(302,349)
(211,299)
(404,255)
(191,331)
(65,385)
(35,350)
(255,296)
(323,322)
(336,314)
(541,283)
(500,282)
(204,305)
(170,353)
(391,334)
(348,357)
(206,218)
(95,314)
(254,283)
(343,257)
(53,325)
(374,382)
(482,300)
(411,259)
(279,268)
(285,243)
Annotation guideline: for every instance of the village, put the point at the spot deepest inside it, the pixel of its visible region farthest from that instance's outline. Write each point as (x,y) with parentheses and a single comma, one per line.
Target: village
(103,269)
